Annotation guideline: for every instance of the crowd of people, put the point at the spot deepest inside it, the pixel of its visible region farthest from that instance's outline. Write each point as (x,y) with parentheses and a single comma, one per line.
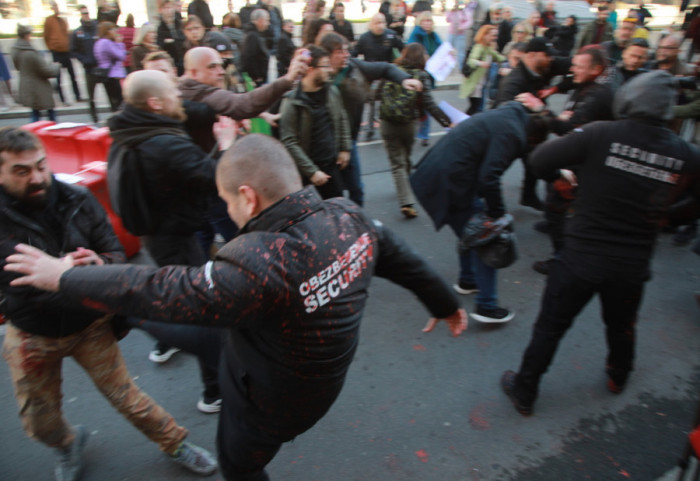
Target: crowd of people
(290,284)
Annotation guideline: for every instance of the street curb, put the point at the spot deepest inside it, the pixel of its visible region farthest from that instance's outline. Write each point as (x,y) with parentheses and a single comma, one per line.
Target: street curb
(24,113)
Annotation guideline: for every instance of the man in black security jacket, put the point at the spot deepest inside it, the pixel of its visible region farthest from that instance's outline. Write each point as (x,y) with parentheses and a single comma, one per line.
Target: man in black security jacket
(291,288)
(44,328)
(627,172)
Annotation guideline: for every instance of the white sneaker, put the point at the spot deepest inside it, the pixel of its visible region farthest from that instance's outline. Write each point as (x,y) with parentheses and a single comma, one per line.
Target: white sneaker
(160,357)
(209,407)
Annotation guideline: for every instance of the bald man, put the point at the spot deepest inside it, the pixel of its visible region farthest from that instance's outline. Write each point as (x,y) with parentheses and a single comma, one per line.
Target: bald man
(204,82)
(177,177)
(291,290)
(667,55)
(378,43)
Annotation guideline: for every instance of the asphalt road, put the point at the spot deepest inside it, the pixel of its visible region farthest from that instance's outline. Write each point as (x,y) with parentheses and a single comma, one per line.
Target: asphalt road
(423,407)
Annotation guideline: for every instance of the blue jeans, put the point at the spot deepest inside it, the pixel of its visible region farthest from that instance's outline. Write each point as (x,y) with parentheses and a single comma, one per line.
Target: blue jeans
(351,177)
(458,41)
(473,271)
(36,115)
(424,129)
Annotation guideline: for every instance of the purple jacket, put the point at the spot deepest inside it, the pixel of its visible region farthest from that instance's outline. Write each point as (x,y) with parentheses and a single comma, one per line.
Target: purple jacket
(110,54)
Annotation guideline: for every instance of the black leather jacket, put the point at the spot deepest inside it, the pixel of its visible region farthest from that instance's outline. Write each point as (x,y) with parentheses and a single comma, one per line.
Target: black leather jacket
(84,223)
(291,288)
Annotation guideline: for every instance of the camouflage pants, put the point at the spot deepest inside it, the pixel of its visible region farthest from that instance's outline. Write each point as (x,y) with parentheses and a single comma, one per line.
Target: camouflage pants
(35,366)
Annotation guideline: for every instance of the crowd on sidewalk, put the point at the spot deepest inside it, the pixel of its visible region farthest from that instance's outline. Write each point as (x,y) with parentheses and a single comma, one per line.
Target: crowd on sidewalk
(273,317)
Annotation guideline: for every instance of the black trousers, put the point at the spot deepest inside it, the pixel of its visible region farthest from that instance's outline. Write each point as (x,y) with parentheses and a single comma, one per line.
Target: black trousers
(65,60)
(566,294)
(185,250)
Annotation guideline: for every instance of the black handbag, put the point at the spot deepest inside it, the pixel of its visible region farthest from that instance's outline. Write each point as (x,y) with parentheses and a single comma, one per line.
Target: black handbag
(100,73)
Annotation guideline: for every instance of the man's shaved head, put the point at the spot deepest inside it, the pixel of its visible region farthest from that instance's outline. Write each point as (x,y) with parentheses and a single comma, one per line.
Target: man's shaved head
(262,163)
(139,86)
(204,65)
(198,56)
(154,91)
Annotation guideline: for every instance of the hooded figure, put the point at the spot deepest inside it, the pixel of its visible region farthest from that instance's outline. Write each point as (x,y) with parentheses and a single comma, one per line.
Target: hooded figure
(628,172)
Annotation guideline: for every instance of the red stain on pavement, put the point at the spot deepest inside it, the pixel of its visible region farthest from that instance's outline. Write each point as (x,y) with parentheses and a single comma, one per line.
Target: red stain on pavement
(422,455)
(477,418)
(419,347)
(624,473)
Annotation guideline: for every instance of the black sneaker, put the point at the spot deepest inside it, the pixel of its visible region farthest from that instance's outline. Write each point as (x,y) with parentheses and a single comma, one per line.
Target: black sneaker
(542,226)
(531,201)
(492,315)
(684,235)
(465,288)
(543,267)
(508,386)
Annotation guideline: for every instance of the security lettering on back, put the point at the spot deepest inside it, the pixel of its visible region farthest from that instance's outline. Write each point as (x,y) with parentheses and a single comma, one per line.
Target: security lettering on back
(329,282)
(646,164)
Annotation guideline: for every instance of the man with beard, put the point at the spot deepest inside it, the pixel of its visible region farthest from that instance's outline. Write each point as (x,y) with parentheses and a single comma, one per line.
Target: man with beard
(177,175)
(634,56)
(667,55)
(66,220)
(314,127)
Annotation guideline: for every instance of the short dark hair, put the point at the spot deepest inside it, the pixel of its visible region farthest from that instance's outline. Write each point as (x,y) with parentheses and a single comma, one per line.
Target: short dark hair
(412,56)
(104,28)
(597,54)
(638,42)
(16,140)
(317,53)
(332,42)
(537,129)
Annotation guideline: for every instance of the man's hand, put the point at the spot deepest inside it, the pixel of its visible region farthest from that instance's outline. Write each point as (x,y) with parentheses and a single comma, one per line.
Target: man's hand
(298,65)
(225,132)
(531,102)
(319,178)
(40,269)
(85,257)
(457,322)
(565,115)
(270,118)
(412,84)
(343,160)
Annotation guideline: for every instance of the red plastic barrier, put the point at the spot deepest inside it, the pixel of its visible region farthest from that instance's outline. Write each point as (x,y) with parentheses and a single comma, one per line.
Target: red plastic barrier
(94,177)
(94,144)
(63,151)
(38,125)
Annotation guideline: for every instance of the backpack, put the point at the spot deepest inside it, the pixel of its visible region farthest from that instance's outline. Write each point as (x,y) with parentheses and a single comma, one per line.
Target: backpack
(128,191)
(398,105)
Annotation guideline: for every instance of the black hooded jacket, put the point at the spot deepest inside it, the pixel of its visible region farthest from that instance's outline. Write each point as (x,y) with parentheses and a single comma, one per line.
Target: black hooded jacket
(181,177)
(628,171)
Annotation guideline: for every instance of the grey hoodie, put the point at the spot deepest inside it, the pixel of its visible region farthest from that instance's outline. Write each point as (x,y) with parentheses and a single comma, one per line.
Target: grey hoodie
(649,96)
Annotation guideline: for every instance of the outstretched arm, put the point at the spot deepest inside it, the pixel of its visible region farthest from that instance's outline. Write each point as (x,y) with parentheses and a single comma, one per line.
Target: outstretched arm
(402,265)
